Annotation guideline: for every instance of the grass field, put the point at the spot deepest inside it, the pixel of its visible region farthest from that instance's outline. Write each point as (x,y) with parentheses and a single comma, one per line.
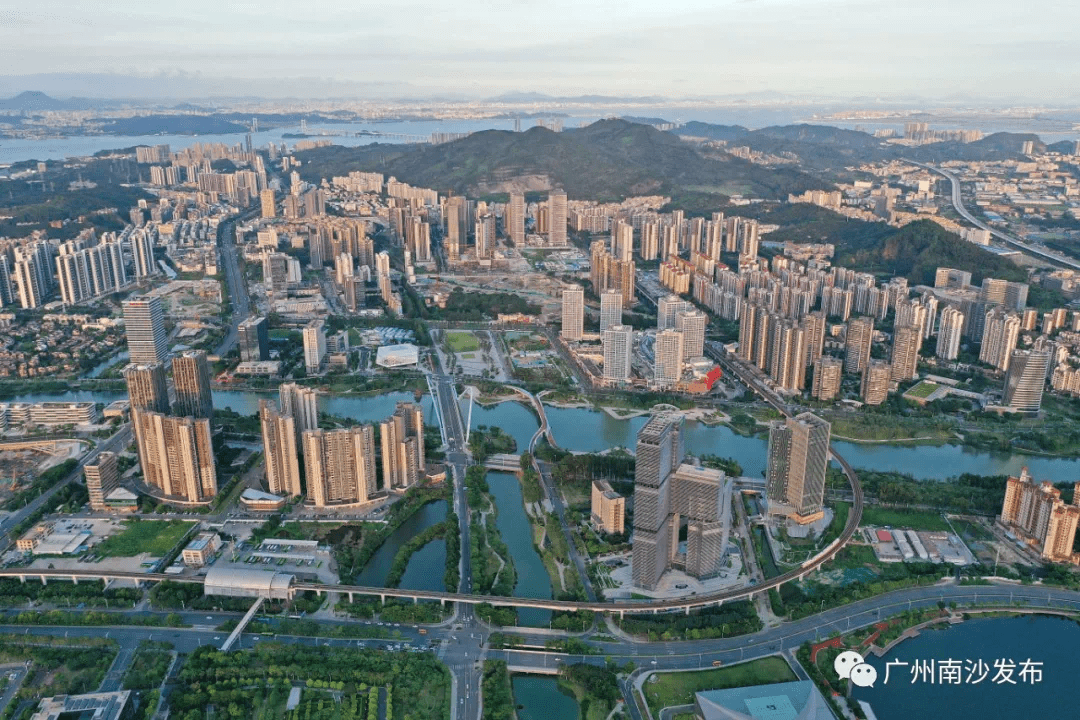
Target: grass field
(678,688)
(462,342)
(155,537)
(922,390)
(907,519)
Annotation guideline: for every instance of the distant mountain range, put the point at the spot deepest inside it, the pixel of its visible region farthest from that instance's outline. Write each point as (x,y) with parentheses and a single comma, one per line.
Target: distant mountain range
(32,101)
(607,160)
(825,148)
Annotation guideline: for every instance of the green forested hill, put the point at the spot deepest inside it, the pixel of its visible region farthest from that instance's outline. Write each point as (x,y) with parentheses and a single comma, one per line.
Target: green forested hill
(607,160)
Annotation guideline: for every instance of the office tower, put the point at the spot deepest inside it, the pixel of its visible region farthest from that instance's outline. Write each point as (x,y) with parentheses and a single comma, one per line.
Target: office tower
(1025,380)
(1012,295)
(610,309)
(557,206)
(1000,333)
(573,312)
(266,199)
(787,355)
(667,308)
(515,218)
(314,346)
(102,477)
(814,327)
(280,450)
(301,404)
(608,508)
(667,358)
(1040,517)
(695,494)
(798,459)
(147,387)
(254,336)
(191,376)
(144,323)
(691,323)
(828,372)
(905,351)
(875,382)
(860,334)
(618,341)
(340,465)
(950,331)
(177,455)
(276,272)
(950,279)
(659,452)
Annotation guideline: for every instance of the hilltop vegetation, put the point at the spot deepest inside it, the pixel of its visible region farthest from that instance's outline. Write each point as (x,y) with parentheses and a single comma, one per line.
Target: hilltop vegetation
(831,149)
(607,160)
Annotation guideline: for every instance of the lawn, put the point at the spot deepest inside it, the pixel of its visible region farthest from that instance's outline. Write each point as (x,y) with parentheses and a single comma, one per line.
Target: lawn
(922,390)
(678,688)
(907,519)
(462,342)
(156,537)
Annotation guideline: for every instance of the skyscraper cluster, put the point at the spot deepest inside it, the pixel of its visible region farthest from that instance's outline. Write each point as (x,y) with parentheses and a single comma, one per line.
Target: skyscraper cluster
(175,449)
(666,491)
(607,272)
(339,464)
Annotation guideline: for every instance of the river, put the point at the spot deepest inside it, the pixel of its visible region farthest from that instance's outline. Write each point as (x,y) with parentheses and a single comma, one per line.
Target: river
(539,698)
(1051,641)
(585,430)
(516,531)
(377,568)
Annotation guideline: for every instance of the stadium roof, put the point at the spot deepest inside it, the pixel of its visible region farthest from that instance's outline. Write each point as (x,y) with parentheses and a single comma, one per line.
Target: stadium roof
(798,700)
(397,355)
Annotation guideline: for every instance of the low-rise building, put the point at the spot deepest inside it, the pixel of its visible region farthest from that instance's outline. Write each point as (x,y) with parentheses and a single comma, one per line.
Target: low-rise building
(200,550)
(608,508)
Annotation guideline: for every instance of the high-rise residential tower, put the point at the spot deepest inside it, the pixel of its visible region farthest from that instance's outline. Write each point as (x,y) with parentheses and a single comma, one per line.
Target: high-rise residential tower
(618,344)
(573,312)
(860,335)
(280,450)
(610,309)
(340,465)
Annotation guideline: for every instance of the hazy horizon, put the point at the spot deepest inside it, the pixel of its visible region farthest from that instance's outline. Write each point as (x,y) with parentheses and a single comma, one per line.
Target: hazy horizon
(944,51)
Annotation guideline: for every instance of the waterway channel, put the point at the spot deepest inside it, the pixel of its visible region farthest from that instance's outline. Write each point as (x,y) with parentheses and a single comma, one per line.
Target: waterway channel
(513,524)
(539,698)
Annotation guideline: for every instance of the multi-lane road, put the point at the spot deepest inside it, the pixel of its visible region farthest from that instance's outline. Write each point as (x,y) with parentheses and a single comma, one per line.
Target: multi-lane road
(233,276)
(958,204)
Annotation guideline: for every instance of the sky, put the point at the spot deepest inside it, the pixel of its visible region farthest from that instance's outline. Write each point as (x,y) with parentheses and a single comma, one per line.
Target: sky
(993,49)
